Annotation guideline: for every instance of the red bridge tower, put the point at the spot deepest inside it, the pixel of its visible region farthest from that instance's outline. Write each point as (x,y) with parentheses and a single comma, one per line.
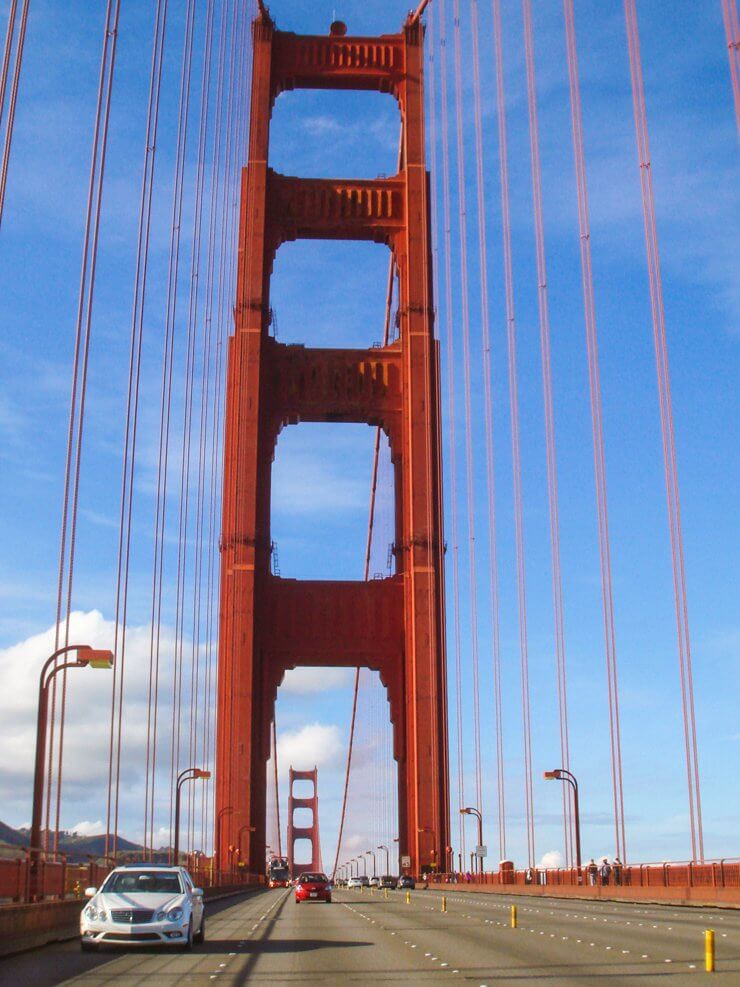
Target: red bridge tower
(394,625)
(304,832)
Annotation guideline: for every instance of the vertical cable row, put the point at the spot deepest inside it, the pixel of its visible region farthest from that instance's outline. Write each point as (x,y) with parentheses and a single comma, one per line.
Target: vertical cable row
(12,57)
(552,477)
(732,30)
(667,432)
(597,429)
(515,441)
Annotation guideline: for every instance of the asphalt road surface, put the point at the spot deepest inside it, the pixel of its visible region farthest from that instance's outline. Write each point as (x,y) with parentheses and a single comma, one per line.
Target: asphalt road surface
(364,938)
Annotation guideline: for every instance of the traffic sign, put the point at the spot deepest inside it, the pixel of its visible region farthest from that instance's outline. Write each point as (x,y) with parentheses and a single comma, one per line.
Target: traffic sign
(405,861)
(481,851)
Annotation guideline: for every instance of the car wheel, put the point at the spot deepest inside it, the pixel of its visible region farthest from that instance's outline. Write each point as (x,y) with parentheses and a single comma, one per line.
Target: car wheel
(200,935)
(88,947)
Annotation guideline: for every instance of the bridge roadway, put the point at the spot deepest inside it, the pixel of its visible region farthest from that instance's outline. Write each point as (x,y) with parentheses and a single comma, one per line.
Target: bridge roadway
(362,938)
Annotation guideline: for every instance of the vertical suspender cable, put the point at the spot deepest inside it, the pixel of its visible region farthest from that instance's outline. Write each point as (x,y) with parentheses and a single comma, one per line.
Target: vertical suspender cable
(164,430)
(515,444)
(667,431)
(13,99)
(452,432)
(552,477)
(597,428)
(132,415)
(490,461)
(75,432)
(732,30)
(189,373)
(469,470)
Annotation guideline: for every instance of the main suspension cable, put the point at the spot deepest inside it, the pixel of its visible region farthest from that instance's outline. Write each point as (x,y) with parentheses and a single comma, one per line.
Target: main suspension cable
(17,59)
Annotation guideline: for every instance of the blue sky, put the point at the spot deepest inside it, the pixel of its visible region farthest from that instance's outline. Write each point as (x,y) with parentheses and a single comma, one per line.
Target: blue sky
(333,294)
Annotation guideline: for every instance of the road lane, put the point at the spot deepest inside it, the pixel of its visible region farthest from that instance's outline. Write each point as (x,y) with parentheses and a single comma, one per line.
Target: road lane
(362,937)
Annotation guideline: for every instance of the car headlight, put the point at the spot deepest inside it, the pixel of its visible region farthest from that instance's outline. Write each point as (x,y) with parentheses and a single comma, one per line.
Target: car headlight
(175,914)
(96,913)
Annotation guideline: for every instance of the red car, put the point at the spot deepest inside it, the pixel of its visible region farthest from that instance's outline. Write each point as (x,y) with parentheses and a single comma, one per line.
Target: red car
(312,887)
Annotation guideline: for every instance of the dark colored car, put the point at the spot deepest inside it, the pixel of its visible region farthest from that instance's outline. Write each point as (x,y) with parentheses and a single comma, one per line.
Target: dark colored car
(312,887)
(406,882)
(388,881)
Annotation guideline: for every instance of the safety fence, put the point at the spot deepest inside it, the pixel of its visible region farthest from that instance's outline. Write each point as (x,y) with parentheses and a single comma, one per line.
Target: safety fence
(57,878)
(723,873)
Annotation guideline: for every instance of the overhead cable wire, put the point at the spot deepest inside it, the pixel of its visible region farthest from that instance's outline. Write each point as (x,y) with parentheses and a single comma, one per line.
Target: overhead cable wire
(598,432)
(451,419)
(732,30)
(667,433)
(552,478)
(128,470)
(80,363)
(515,437)
(165,416)
(467,392)
(489,419)
(14,58)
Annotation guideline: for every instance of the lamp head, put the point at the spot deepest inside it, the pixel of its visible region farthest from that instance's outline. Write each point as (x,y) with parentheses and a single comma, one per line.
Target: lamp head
(550,775)
(95,657)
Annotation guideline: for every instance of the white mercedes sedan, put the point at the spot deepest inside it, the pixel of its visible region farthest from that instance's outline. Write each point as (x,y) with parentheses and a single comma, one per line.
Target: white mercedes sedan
(143,905)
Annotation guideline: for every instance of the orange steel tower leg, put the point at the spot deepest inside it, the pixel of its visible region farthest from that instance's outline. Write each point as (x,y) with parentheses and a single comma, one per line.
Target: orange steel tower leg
(311,832)
(395,625)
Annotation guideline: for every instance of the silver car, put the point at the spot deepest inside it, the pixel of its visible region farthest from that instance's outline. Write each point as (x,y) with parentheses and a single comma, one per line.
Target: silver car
(143,905)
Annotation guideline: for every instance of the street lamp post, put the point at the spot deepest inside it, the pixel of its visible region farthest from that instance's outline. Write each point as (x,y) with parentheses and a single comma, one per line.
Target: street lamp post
(189,774)
(86,655)
(562,774)
(375,869)
(364,864)
(227,810)
(471,811)
(387,857)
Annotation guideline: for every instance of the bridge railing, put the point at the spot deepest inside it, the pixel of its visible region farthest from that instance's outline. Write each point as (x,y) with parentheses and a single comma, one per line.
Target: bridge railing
(59,879)
(724,873)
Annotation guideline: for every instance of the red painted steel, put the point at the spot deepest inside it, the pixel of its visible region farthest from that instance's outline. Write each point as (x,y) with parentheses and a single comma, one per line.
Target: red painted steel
(268,624)
(311,832)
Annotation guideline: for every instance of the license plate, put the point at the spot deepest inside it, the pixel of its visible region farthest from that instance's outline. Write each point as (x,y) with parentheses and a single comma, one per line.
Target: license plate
(313,894)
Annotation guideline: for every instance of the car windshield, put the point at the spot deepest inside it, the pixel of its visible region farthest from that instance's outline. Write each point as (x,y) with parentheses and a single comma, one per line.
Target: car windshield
(143,882)
(313,878)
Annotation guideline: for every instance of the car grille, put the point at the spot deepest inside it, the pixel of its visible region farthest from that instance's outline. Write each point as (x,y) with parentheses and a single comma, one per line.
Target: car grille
(131,915)
(137,937)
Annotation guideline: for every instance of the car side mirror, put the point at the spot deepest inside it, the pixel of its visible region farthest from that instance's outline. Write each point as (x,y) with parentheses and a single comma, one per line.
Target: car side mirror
(90,892)
(198,892)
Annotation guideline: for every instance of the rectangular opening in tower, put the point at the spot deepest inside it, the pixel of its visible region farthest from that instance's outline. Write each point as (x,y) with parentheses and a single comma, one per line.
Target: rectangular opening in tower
(321,481)
(331,293)
(329,133)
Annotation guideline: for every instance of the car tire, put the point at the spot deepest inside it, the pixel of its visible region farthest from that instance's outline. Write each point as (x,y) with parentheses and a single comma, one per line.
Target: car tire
(188,944)
(200,935)
(88,947)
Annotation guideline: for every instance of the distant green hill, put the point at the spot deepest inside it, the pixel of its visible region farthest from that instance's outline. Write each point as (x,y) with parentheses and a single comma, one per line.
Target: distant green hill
(77,848)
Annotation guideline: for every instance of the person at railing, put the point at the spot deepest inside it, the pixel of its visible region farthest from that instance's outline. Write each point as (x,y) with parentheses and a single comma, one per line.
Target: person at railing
(617,871)
(604,872)
(592,870)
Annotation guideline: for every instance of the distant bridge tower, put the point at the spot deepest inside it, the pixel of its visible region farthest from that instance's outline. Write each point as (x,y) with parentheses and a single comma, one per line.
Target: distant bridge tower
(304,832)
(394,625)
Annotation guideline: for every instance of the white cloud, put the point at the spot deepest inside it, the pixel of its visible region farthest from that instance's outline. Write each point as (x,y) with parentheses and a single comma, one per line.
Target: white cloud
(86,738)
(86,828)
(307,681)
(553,858)
(316,744)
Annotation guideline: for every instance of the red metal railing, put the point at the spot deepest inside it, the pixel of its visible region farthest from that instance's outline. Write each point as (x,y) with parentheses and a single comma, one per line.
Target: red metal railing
(60,879)
(723,873)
